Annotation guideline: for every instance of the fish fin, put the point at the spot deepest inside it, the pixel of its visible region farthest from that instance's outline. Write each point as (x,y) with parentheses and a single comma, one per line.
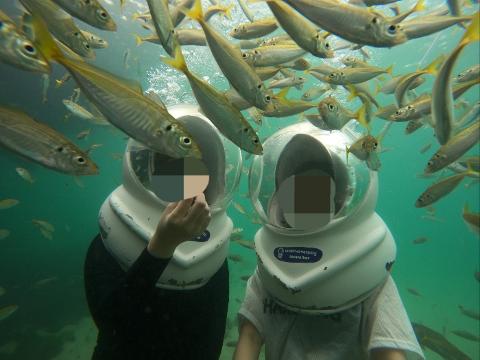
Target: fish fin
(473,31)
(389,70)
(419,6)
(432,68)
(44,40)
(178,62)
(228,11)
(138,40)
(352,91)
(326,34)
(361,116)
(195,13)
(283,93)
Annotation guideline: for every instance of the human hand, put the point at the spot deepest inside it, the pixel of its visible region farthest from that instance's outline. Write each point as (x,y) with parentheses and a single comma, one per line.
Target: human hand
(181,221)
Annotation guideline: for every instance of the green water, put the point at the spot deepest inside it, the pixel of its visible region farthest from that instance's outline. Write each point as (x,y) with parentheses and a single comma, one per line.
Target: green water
(52,317)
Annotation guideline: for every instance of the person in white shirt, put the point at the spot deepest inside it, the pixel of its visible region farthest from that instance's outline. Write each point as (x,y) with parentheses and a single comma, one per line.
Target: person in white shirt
(322,289)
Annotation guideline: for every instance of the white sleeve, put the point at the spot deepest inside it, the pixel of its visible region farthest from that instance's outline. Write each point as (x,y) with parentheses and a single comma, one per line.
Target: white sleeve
(252,306)
(388,325)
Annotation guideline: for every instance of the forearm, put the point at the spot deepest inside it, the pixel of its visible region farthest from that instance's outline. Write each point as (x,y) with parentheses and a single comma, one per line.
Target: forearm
(249,343)
(387,354)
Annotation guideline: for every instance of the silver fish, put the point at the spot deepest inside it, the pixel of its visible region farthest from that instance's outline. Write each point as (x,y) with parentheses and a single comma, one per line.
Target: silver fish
(442,100)
(468,74)
(334,115)
(229,58)
(89,11)
(95,41)
(427,25)
(253,30)
(42,144)
(17,50)
(301,30)
(296,81)
(61,25)
(346,76)
(352,23)
(315,92)
(284,107)
(226,117)
(458,145)
(163,25)
(273,55)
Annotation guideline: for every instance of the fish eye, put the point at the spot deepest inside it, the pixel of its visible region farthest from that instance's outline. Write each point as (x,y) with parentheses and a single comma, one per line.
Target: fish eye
(437,156)
(375,20)
(375,145)
(244,55)
(29,48)
(331,107)
(327,46)
(86,45)
(80,160)
(410,107)
(398,112)
(245,130)
(102,14)
(60,149)
(255,141)
(256,52)
(87,2)
(332,75)
(76,34)
(430,163)
(259,86)
(268,98)
(185,140)
(317,36)
(169,127)
(392,29)
(1,25)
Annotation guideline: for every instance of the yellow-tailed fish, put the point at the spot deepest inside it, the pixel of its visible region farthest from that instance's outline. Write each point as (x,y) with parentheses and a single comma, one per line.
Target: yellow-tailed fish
(89,11)
(25,174)
(363,91)
(334,115)
(352,23)
(414,125)
(226,117)
(78,110)
(284,107)
(61,26)
(17,50)
(471,219)
(123,104)
(271,55)
(440,189)
(43,225)
(8,203)
(229,58)
(354,62)
(347,76)
(301,30)
(253,30)
(315,92)
(295,81)
(83,134)
(407,80)
(95,41)
(386,112)
(469,74)
(42,144)
(427,25)
(163,24)
(422,105)
(239,208)
(299,64)
(457,146)
(7,311)
(442,101)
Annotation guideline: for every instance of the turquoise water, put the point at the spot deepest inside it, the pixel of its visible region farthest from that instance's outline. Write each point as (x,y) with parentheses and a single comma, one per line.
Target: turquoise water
(45,277)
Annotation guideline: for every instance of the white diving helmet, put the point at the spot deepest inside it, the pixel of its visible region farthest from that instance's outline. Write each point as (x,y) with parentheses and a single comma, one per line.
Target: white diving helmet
(325,250)
(129,216)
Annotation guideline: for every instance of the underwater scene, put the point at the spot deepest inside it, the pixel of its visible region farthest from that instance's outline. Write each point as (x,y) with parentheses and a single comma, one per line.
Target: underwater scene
(393,88)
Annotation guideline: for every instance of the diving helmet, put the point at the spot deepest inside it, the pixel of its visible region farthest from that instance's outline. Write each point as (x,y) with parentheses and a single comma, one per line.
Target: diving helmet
(322,247)
(129,216)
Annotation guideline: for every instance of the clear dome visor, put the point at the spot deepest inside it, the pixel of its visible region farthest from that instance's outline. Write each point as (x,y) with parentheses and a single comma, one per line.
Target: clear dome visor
(221,158)
(303,183)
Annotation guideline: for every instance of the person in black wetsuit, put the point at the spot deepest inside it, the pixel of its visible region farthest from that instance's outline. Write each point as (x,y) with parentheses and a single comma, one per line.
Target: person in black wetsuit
(136,319)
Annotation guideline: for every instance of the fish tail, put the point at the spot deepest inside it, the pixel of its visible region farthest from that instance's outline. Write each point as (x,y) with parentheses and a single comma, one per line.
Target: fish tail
(432,68)
(419,6)
(195,13)
(361,116)
(473,31)
(138,40)
(44,40)
(178,62)
(228,11)
(389,70)
(352,91)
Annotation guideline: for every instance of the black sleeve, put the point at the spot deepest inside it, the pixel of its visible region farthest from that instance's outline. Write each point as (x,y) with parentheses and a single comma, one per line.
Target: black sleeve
(114,295)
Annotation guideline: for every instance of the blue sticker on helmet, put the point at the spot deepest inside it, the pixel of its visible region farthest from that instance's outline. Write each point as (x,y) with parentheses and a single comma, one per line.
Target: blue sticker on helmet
(203,236)
(298,254)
